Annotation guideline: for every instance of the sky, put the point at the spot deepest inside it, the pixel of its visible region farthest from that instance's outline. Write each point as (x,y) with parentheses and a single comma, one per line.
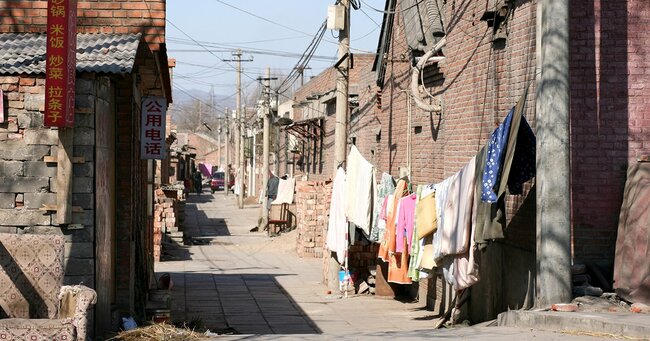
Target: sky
(284,27)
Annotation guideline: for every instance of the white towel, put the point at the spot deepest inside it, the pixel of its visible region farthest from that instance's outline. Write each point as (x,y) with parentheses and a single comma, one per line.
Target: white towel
(285,192)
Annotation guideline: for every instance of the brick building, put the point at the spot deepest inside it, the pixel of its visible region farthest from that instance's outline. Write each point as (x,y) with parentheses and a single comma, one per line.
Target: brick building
(483,74)
(121,57)
(314,107)
(480,74)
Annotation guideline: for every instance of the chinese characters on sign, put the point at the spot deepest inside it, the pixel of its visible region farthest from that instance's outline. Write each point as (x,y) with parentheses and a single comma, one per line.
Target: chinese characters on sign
(61,62)
(152,134)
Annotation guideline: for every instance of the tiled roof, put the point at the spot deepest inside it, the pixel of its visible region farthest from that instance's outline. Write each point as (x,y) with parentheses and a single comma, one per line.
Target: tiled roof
(99,53)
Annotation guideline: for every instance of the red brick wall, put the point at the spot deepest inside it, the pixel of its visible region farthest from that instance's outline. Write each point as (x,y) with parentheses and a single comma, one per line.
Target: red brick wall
(477,85)
(93,16)
(610,118)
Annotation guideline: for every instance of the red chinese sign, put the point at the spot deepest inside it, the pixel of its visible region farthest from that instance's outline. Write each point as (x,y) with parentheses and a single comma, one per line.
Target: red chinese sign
(61,62)
(152,135)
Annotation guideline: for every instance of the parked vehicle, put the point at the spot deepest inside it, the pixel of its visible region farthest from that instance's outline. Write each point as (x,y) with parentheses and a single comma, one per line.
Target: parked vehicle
(217,181)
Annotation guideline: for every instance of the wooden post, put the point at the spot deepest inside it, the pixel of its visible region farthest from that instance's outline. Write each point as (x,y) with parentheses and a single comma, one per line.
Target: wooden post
(64,177)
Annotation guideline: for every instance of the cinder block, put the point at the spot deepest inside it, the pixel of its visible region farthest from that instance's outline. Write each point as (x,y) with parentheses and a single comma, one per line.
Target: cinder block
(9,127)
(41,136)
(84,86)
(28,119)
(82,185)
(84,121)
(24,184)
(84,137)
(87,280)
(79,250)
(85,169)
(37,200)
(20,151)
(79,267)
(83,200)
(85,102)
(87,152)
(39,169)
(22,217)
(11,168)
(35,102)
(7,200)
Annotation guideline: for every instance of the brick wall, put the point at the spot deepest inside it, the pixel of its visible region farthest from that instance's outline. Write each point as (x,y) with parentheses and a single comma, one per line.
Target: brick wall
(93,16)
(28,182)
(476,85)
(610,119)
(312,211)
(134,236)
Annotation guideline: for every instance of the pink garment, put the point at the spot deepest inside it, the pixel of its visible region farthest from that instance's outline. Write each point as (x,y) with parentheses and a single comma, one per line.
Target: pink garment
(406,222)
(382,212)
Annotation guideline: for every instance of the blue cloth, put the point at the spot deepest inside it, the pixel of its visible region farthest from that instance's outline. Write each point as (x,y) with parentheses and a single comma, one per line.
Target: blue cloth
(523,161)
(494,161)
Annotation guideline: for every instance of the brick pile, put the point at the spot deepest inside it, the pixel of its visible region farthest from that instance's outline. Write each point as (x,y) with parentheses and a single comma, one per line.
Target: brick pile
(168,210)
(312,210)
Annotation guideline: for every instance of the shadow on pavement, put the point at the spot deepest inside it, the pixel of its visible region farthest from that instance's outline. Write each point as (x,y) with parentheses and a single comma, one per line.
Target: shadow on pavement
(239,303)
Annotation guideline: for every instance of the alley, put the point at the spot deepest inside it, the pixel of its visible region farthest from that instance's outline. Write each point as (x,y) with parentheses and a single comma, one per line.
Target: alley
(236,281)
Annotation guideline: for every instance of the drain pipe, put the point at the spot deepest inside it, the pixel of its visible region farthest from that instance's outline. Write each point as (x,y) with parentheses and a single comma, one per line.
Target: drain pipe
(415,77)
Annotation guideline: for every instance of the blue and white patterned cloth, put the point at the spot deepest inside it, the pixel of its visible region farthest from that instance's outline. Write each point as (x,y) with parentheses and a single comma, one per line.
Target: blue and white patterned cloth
(494,161)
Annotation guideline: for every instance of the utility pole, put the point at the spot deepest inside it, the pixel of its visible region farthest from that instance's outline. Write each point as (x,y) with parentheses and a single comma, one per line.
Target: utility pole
(341,126)
(301,70)
(265,148)
(227,177)
(553,283)
(239,143)
(276,142)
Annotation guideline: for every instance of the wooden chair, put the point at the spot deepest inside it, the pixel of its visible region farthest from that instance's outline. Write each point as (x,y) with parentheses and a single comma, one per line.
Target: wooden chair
(279,219)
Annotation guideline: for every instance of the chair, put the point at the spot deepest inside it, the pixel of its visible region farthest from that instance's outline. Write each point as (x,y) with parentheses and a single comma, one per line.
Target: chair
(278,218)
(32,298)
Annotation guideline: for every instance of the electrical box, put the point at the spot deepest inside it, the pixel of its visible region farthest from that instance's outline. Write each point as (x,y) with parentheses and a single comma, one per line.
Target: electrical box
(335,17)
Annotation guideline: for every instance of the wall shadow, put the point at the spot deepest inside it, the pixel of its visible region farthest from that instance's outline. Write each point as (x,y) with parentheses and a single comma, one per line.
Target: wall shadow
(237,304)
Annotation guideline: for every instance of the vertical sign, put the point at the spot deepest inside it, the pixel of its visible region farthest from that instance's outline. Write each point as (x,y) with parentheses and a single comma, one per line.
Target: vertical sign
(152,133)
(61,63)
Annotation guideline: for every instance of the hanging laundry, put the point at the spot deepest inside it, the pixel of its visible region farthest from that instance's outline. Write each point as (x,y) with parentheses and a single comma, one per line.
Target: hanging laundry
(337,225)
(388,243)
(491,216)
(494,161)
(397,265)
(426,213)
(385,188)
(285,191)
(414,252)
(359,186)
(454,236)
(524,161)
(406,224)
(442,190)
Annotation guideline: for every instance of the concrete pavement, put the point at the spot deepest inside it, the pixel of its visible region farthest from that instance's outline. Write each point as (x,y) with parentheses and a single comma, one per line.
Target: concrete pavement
(237,281)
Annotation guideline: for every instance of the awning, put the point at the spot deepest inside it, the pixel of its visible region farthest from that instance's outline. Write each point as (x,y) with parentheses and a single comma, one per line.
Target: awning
(305,129)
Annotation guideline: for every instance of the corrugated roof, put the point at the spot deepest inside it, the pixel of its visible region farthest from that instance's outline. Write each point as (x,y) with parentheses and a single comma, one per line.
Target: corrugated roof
(100,53)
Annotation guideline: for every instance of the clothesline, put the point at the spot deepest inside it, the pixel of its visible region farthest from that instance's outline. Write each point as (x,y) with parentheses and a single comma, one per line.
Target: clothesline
(437,225)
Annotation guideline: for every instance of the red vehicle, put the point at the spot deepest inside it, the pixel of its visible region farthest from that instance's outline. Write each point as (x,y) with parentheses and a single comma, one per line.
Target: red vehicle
(217,182)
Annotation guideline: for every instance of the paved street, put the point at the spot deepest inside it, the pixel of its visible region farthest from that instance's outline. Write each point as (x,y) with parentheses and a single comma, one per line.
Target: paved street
(257,287)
